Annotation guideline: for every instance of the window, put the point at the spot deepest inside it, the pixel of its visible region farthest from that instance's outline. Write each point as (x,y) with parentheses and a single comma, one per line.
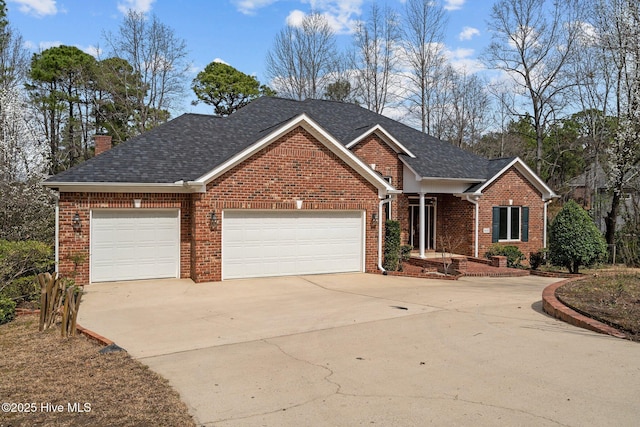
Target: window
(510,223)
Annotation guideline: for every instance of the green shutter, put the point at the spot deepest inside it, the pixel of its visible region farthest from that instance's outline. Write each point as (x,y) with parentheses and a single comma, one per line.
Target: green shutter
(525,224)
(496,224)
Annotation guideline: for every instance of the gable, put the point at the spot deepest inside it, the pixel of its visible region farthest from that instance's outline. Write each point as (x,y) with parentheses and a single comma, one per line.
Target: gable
(524,173)
(296,166)
(320,136)
(513,184)
(380,157)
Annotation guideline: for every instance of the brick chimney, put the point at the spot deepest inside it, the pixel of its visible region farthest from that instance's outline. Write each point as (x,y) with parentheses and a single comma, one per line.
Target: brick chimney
(102,143)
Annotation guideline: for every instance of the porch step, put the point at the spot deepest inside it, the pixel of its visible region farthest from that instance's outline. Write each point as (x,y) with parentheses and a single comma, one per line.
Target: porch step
(466,266)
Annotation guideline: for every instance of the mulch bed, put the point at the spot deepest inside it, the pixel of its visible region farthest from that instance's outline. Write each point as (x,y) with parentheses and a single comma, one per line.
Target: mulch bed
(613,299)
(41,373)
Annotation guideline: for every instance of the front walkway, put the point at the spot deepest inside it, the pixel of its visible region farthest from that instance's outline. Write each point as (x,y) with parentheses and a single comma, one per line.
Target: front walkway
(458,265)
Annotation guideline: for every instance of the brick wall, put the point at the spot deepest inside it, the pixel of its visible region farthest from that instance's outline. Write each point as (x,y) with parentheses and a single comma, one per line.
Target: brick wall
(515,187)
(295,167)
(76,244)
(455,225)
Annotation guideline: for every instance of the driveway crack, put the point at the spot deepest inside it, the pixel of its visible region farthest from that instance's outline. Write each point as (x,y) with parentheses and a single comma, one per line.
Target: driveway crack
(326,378)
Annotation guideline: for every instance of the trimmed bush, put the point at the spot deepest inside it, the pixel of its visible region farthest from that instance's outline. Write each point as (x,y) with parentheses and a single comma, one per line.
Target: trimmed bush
(22,289)
(7,310)
(19,263)
(574,239)
(536,259)
(391,245)
(513,254)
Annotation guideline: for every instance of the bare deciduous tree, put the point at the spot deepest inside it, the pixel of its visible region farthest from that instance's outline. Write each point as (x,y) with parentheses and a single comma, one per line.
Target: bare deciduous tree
(533,41)
(375,59)
(159,58)
(468,111)
(425,24)
(303,58)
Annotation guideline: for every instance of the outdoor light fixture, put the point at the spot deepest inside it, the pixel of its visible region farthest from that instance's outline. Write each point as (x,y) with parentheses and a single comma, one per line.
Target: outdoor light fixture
(374,217)
(76,222)
(213,221)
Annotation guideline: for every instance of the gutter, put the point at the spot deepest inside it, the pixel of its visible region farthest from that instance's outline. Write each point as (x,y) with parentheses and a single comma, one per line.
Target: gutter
(383,201)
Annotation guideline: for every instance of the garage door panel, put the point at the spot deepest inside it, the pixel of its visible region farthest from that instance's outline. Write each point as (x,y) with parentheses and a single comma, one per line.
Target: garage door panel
(131,245)
(257,244)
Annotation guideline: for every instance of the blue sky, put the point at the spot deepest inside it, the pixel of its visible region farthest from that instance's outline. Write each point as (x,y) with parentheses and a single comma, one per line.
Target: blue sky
(239,32)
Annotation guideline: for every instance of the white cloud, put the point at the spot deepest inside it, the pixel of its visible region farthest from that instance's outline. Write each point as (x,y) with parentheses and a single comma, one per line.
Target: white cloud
(249,7)
(37,7)
(463,60)
(142,6)
(46,45)
(454,4)
(468,33)
(94,51)
(295,18)
(341,14)
(221,61)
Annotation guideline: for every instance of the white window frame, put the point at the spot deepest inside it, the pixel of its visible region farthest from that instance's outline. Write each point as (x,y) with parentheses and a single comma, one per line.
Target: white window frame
(509,238)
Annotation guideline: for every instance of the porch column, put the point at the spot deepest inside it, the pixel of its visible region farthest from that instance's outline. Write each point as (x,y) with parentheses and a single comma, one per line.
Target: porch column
(423,227)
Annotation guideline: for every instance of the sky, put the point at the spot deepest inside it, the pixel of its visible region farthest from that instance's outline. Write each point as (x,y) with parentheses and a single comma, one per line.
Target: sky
(238,32)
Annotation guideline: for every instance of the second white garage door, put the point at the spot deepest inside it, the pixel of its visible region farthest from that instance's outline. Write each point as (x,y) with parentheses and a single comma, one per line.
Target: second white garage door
(280,243)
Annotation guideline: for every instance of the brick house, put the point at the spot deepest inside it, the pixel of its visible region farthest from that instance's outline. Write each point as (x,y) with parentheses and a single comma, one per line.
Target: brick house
(284,187)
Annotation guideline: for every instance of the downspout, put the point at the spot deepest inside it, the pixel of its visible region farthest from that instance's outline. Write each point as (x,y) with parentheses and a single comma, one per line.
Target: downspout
(474,199)
(544,231)
(57,233)
(383,201)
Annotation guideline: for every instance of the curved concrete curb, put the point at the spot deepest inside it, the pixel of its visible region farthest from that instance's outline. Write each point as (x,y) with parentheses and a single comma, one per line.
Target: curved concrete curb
(84,331)
(552,306)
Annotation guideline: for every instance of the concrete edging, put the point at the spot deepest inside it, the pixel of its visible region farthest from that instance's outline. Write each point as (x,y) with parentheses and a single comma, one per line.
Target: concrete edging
(554,307)
(82,330)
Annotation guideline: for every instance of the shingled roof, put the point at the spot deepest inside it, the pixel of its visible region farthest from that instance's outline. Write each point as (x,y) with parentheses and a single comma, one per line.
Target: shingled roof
(191,145)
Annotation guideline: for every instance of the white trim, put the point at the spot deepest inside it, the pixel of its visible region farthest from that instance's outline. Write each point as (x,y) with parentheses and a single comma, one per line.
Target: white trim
(547,193)
(321,135)
(386,137)
(509,209)
(126,187)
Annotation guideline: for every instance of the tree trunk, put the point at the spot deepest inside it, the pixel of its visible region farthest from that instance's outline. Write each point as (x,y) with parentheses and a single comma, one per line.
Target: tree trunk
(612,218)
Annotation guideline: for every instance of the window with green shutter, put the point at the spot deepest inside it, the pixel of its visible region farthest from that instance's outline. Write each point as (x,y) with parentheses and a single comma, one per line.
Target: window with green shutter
(510,223)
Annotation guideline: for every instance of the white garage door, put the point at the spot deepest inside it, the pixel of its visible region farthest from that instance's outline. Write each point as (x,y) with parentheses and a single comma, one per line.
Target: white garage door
(134,244)
(259,244)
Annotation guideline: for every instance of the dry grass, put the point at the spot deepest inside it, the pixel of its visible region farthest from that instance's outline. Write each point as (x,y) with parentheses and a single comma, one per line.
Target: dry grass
(610,298)
(40,367)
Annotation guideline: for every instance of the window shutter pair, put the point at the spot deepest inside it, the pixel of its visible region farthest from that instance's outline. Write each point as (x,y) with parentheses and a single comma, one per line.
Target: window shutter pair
(495,225)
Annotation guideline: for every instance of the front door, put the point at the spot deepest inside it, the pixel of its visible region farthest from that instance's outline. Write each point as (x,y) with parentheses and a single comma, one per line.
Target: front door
(430,220)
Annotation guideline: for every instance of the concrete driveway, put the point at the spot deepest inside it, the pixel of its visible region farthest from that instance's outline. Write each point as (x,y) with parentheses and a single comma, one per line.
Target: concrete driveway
(359,349)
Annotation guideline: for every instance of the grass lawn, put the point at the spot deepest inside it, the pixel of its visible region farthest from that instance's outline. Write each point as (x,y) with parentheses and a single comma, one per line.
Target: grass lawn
(41,373)
(612,298)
